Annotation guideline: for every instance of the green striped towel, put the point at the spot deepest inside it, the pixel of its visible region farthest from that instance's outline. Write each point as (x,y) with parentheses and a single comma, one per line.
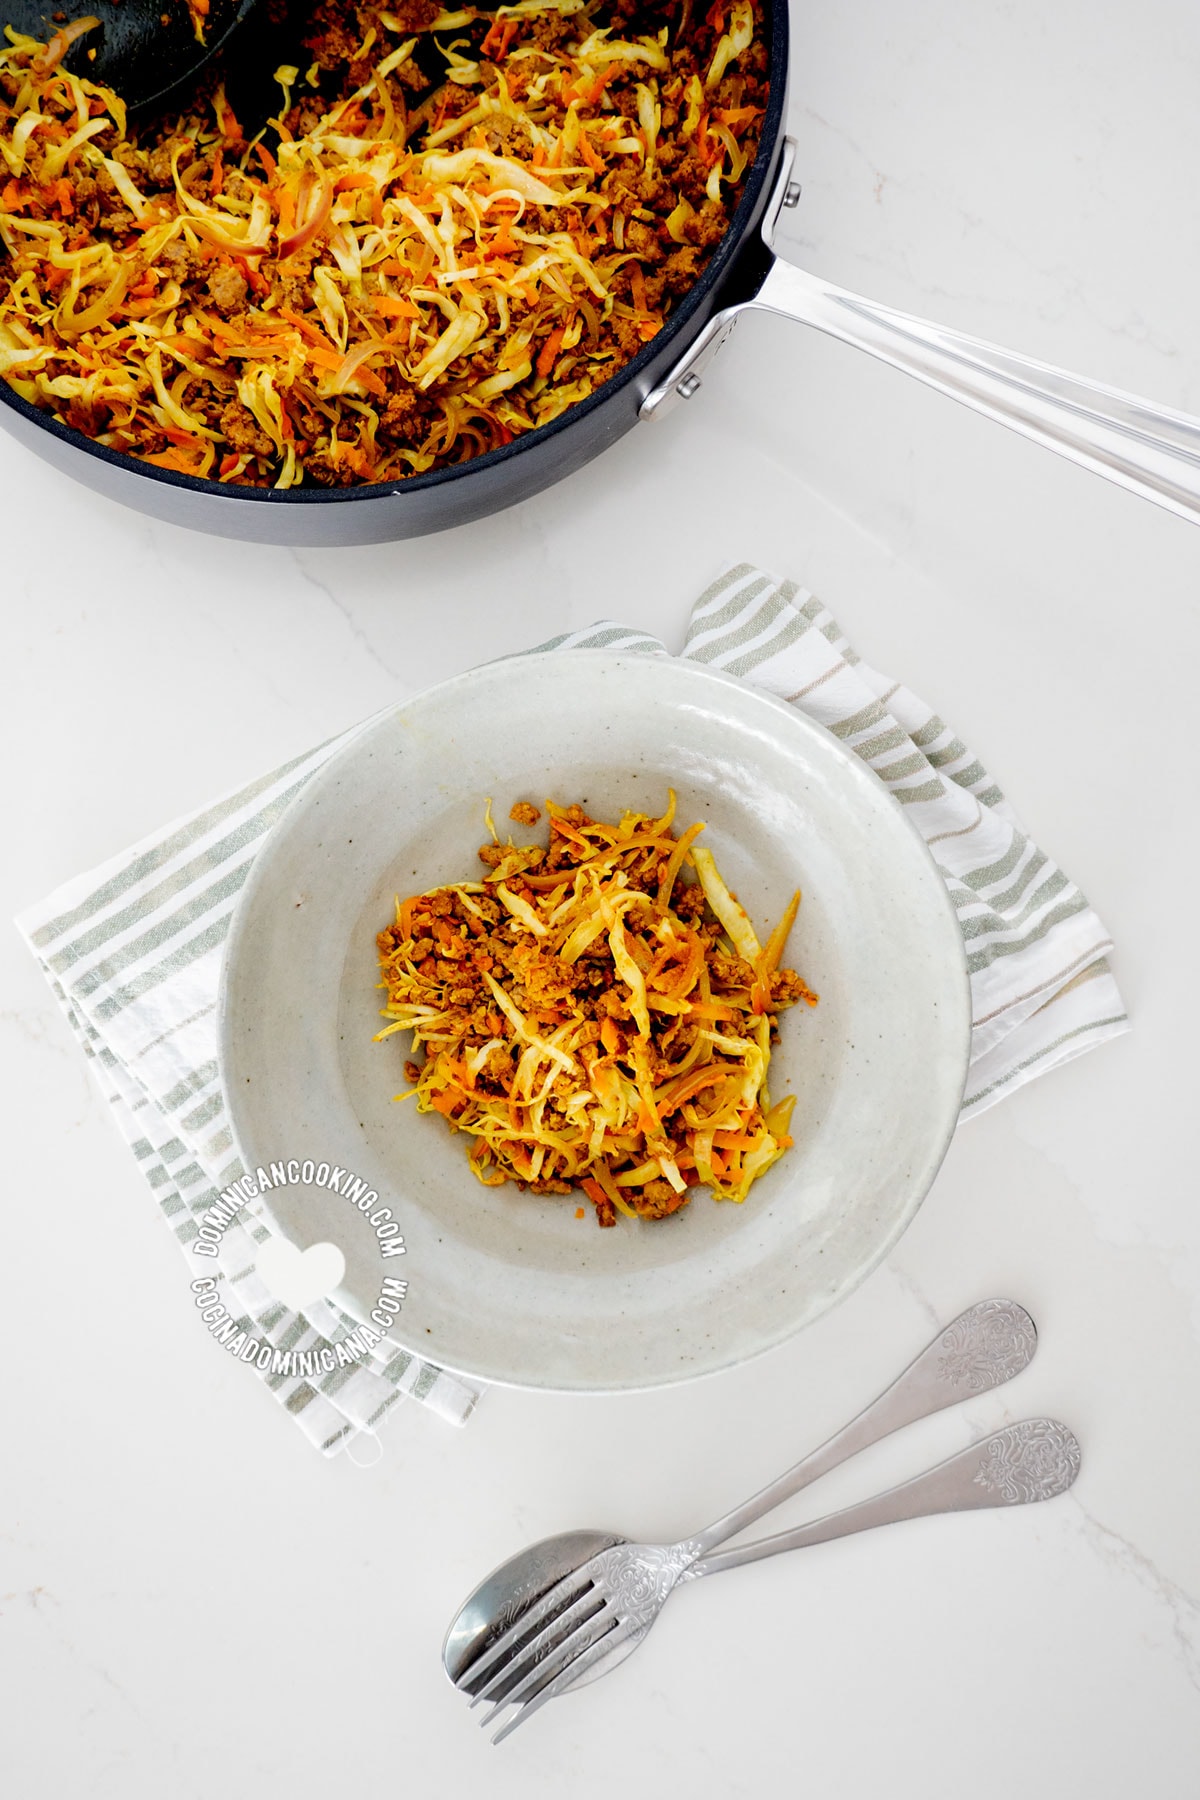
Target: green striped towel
(1042,991)
(133,950)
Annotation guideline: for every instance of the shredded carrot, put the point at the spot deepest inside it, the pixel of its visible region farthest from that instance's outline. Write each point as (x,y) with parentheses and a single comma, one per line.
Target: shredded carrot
(461,263)
(550,350)
(592,93)
(584,1031)
(392,307)
(589,155)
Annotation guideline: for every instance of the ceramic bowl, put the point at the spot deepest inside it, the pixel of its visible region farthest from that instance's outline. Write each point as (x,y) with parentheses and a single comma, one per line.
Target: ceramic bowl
(509,1286)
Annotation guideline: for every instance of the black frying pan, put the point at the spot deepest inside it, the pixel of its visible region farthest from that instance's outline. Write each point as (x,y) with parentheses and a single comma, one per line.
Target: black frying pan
(1147,449)
(142,48)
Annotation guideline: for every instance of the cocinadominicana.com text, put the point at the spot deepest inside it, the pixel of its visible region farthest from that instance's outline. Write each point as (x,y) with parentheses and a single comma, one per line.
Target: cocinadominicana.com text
(322,1360)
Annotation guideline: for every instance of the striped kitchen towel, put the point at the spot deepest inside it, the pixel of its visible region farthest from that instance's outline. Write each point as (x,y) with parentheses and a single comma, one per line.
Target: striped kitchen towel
(1042,991)
(133,951)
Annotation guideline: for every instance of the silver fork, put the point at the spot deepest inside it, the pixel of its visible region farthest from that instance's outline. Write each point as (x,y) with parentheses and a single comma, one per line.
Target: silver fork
(625,1588)
(985,1346)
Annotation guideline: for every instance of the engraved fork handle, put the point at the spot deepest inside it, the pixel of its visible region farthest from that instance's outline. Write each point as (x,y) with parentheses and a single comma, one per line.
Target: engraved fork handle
(1034,1460)
(985,1346)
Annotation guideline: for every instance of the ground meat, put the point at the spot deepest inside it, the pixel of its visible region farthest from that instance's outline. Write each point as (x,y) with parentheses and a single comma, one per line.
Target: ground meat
(622,190)
(237,186)
(787,988)
(243,432)
(707,226)
(227,288)
(405,416)
(552,30)
(687,899)
(681,269)
(414,15)
(628,334)
(547,978)
(643,242)
(475,1046)
(507,137)
(657,1199)
(334,41)
(178,261)
(730,971)
(387,419)
(158,163)
(497,1069)
(304,118)
(91,420)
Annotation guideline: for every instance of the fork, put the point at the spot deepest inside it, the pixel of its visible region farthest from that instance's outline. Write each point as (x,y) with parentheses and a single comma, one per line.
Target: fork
(986,1345)
(613,1600)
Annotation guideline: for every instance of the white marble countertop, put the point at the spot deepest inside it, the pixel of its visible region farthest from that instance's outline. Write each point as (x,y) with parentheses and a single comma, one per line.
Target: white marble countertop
(192,1602)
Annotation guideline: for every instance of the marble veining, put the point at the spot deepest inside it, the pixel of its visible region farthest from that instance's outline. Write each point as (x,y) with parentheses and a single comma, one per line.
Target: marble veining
(192,1601)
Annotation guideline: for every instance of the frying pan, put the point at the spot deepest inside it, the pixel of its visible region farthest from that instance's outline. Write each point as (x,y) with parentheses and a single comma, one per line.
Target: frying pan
(143,48)
(1151,450)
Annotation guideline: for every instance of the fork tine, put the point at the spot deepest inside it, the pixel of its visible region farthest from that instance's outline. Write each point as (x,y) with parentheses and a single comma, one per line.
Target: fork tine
(598,1626)
(534,1649)
(579,1665)
(510,1640)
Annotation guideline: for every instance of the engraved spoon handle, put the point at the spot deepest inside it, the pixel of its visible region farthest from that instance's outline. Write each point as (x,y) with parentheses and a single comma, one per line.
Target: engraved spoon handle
(1034,1460)
(985,1346)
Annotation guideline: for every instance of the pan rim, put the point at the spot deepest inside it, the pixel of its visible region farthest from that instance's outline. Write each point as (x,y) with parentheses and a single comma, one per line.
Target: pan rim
(691,310)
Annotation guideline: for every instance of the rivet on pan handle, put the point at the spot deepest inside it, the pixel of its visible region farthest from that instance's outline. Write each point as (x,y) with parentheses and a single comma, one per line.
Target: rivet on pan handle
(1152,450)
(686,378)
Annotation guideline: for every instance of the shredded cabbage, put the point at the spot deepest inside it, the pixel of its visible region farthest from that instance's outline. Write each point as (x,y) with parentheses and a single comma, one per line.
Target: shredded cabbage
(582,1022)
(399,283)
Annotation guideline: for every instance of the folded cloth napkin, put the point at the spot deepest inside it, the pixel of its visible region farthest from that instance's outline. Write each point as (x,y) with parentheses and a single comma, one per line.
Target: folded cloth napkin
(133,951)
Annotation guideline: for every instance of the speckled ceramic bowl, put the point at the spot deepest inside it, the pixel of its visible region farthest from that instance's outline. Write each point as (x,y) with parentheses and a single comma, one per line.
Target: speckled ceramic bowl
(510,1287)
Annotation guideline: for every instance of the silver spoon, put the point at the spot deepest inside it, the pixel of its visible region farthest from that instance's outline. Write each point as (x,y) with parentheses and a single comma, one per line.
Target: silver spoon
(620,1593)
(984,1347)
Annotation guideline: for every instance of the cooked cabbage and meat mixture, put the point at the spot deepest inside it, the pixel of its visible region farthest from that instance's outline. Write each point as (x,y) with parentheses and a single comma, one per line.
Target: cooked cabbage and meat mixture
(458,224)
(596,1015)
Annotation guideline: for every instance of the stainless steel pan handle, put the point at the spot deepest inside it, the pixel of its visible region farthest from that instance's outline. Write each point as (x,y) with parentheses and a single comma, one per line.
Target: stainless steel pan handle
(1151,450)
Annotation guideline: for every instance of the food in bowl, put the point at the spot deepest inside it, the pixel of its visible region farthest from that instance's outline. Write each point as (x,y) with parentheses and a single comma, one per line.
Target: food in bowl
(593,1019)
(419,267)
(508,1286)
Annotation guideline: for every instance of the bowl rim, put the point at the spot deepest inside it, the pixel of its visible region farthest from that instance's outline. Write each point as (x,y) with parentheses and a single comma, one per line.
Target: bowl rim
(259,873)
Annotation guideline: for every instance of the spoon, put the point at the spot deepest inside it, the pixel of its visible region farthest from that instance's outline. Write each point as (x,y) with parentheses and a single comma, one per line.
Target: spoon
(984,1347)
(144,49)
(613,1601)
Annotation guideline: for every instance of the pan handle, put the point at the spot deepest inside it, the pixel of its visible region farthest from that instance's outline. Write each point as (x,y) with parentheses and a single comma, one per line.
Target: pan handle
(1151,450)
